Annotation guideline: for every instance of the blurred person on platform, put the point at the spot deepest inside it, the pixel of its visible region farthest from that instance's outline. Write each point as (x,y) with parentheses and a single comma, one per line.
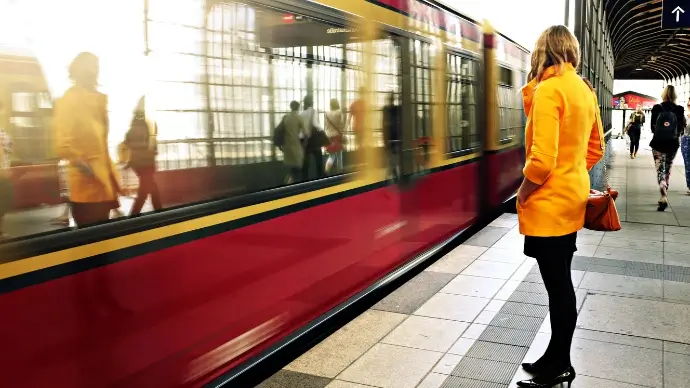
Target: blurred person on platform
(81,124)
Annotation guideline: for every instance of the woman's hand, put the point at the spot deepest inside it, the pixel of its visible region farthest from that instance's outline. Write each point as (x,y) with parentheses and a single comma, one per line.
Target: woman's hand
(526,189)
(85,168)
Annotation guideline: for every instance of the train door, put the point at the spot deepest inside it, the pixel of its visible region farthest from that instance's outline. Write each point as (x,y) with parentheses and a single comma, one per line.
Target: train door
(416,134)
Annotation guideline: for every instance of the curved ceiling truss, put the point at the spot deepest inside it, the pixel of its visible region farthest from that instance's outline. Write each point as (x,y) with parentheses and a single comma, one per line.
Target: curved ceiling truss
(642,50)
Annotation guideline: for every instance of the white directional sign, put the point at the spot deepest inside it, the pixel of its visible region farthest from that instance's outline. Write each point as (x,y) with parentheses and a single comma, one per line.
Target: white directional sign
(674,14)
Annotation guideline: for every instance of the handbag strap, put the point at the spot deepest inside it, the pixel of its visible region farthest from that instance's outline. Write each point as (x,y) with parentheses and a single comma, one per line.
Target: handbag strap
(333,125)
(606,173)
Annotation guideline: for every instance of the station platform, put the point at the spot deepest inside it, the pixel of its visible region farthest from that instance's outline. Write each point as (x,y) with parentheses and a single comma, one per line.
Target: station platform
(472,317)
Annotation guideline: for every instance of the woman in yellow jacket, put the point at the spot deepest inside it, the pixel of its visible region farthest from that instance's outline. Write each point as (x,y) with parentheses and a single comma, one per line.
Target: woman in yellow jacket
(81,126)
(564,139)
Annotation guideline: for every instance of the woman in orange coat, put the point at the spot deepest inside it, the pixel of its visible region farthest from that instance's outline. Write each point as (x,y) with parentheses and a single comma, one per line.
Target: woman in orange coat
(81,126)
(564,139)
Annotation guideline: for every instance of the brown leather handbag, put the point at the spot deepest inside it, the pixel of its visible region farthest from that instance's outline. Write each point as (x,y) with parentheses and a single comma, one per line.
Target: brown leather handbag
(601,213)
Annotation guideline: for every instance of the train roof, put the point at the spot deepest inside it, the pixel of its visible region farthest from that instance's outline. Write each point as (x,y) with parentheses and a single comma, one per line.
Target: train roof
(16,52)
(454,10)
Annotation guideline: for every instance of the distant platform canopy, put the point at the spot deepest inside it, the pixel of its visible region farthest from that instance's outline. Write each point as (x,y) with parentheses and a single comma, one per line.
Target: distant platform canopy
(631,100)
(641,47)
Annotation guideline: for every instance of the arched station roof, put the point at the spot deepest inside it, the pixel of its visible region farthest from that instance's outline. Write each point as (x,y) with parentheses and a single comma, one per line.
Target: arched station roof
(641,48)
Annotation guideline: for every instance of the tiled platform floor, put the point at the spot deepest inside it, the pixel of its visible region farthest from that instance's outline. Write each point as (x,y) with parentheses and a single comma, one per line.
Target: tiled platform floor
(471,318)
(34,221)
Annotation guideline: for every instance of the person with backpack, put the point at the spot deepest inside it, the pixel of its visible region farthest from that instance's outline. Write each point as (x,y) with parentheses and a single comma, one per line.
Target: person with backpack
(634,130)
(668,123)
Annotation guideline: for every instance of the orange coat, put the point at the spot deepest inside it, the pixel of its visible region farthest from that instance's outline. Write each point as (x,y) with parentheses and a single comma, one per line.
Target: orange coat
(564,139)
(81,133)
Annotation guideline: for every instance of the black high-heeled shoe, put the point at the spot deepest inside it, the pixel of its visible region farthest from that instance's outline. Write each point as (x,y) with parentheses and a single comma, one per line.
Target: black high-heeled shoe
(533,368)
(547,382)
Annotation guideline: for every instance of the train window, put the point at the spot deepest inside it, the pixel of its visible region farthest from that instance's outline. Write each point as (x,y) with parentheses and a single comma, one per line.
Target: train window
(386,80)
(420,58)
(29,128)
(505,76)
(461,84)
(510,121)
(214,80)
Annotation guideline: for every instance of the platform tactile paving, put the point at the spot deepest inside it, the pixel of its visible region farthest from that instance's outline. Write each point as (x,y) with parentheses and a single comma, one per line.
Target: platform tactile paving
(537,288)
(525,309)
(497,352)
(485,370)
(628,268)
(534,278)
(529,297)
(460,382)
(511,321)
(677,277)
(507,336)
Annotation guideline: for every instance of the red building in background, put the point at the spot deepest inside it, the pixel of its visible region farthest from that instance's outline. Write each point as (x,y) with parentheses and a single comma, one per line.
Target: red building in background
(630,100)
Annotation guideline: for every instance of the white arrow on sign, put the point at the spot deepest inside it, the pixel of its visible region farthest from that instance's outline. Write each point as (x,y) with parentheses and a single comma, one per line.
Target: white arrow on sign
(677,11)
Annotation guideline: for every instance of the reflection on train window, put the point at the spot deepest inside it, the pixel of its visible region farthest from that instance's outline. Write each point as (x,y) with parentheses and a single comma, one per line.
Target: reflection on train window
(386,65)
(217,78)
(461,82)
(510,121)
(29,126)
(420,58)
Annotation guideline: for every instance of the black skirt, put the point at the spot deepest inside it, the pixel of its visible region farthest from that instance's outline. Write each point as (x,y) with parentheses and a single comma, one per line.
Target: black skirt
(538,247)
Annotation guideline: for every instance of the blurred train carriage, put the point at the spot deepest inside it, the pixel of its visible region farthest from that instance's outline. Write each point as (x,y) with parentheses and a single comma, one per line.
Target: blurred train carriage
(26,104)
(238,262)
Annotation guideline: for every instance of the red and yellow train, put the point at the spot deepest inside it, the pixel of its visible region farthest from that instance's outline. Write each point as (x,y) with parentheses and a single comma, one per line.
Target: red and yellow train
(182,296)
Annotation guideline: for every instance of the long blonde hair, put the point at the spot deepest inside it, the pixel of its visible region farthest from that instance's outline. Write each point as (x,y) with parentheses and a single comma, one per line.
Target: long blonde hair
(555,46)
(669,94)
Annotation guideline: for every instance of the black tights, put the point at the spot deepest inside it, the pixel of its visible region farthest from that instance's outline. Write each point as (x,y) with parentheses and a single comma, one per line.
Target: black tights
(634,141)
(555,270)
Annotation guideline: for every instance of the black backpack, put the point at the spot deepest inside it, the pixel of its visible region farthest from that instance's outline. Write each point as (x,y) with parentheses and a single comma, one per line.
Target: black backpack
(279,134)
(666,126)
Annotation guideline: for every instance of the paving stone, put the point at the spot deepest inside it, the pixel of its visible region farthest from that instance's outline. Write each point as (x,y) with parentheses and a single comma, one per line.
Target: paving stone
(390,366)
(412,295)
(288,379)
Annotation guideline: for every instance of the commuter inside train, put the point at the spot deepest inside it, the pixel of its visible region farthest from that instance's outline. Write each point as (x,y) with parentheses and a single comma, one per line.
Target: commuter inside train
(391,132)
(293,153)
(314,139)
(81,125)
(634,130)
(685,148)
(668,123)
(141,143)
(6,189)
(335,124)
(564,139)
